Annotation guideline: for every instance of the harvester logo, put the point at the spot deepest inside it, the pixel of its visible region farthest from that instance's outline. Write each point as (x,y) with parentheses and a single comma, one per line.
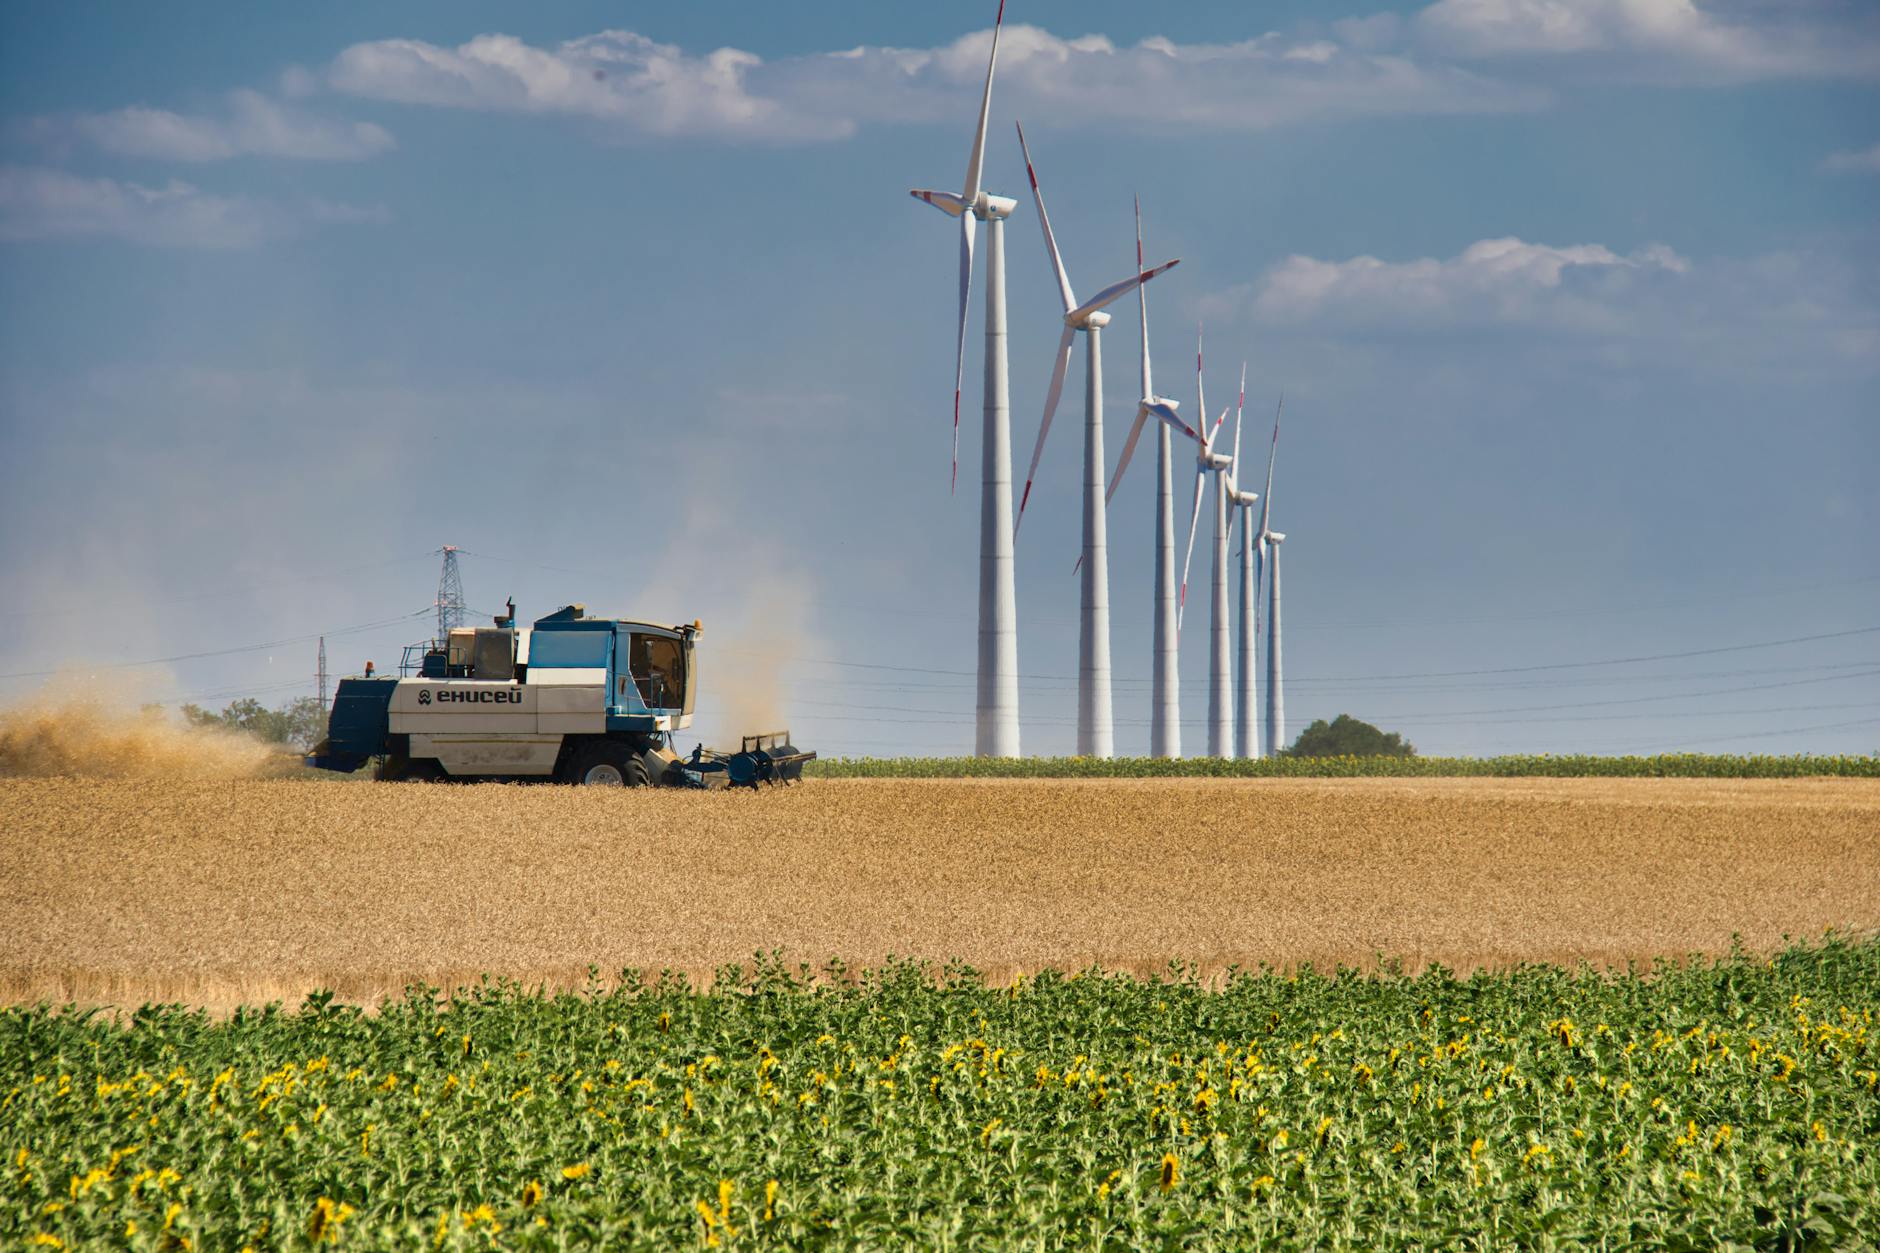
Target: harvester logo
(475,696)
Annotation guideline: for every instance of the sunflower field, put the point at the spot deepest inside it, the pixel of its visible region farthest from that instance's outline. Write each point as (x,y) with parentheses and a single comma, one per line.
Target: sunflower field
(1719,1104)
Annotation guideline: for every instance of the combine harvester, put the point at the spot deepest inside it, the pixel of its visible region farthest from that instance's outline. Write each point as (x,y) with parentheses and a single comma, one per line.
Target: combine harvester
(573,699)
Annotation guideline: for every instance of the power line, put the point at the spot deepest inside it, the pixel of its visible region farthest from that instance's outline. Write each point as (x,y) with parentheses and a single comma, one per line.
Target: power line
(1432,720)
(232,693)
(229,591)
(225,652)
(1438,720)
(844,606)
(1557,614)
(1042,689)
(1758,735)
(1627,661)
(1640,700)
(1374,678)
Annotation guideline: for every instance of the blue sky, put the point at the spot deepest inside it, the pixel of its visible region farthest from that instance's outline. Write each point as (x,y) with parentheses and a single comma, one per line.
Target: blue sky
(1576,306)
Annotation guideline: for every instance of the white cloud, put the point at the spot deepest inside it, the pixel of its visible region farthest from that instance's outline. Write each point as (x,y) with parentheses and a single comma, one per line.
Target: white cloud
(38,203)
(1661,40)
(641,87)
(1792,311)
(1855,161)
(616,76)
(252,125)
(1255,84)
(1378,66)
(1492,281)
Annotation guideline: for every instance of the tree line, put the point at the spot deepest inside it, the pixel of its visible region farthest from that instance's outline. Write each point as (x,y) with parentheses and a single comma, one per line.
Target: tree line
(300,723)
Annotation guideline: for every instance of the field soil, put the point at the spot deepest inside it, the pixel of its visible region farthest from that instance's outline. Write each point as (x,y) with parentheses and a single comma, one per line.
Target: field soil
(222,893)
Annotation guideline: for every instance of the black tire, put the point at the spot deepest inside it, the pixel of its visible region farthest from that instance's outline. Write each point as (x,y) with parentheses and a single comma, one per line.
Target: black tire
(398,768)
(608,763)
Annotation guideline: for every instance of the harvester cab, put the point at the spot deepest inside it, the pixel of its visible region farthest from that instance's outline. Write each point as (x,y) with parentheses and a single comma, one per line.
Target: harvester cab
(571,698)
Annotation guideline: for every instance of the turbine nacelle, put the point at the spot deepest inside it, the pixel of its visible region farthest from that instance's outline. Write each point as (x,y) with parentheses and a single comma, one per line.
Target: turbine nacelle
(1087,316)
(1163,410)
(985,206)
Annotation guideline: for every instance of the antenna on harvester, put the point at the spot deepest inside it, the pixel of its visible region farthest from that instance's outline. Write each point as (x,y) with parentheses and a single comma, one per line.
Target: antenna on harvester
(450,607)
(322,676)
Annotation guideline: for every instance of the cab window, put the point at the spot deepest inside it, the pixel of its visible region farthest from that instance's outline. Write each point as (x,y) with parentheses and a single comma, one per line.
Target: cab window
(658,667)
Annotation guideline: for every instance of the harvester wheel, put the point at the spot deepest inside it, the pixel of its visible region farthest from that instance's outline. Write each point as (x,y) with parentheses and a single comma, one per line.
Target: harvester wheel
(401,769)
(608,764)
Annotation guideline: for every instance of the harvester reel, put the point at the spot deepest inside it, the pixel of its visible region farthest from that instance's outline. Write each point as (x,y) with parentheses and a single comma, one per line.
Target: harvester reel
(766,758)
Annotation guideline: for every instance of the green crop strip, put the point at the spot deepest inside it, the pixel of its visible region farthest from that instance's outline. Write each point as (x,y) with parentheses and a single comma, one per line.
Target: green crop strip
(1665,766)
(1702,1105)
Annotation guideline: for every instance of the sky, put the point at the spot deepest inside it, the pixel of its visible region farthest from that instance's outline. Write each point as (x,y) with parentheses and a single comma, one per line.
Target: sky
(1575,305)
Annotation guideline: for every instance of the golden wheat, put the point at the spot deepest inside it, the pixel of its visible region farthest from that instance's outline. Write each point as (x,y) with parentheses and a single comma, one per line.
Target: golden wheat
(238,891)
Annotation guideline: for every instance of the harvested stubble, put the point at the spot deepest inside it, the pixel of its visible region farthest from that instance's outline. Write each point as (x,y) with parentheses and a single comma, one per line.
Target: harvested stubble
(245,891)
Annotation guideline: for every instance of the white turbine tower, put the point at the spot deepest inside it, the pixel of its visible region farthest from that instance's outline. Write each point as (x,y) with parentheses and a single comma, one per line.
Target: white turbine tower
(1246,716)
(1269,541)
(997,717)
(1165,726)
(1095,729)
(1207,461)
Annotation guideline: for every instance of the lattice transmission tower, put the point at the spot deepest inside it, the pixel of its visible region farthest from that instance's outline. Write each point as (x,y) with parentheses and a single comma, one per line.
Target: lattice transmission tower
(450,606)
(322,675)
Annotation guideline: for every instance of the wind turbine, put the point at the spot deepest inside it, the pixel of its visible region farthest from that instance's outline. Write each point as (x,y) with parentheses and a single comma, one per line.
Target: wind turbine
(1269,542)
(1246,721)
(1165,726)
(1207,461)
(996,733)
(1095,730)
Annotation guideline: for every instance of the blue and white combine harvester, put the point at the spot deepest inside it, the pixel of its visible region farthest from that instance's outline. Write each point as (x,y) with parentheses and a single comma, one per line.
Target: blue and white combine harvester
(572,699)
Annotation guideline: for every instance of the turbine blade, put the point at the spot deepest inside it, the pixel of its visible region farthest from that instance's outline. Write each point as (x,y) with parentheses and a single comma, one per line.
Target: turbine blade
(1201,486)
(1114,290)
(1239,405)
(1259,583)
(977,159)
(1201,395)
(1129,450)
(1044,427)
(967,226)
(945,201)
(1142,295)
(1266,497)
(1044,220)
(1165,410)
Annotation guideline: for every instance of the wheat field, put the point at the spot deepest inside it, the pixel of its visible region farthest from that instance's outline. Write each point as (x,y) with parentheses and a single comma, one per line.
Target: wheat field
(216,893)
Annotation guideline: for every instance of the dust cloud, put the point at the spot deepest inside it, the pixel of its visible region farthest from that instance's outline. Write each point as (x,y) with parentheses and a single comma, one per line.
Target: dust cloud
(75,728)
(745,671)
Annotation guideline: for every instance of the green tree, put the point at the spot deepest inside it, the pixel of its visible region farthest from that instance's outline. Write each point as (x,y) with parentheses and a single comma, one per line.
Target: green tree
(299,723)
(1346,736)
